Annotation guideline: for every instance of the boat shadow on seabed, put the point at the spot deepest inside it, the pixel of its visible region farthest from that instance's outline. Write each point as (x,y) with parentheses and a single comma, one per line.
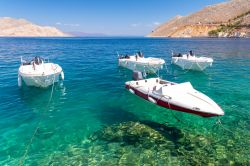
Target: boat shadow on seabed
(39,99)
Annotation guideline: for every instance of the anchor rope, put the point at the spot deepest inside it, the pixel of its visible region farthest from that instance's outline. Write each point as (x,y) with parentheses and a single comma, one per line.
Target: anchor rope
(175,116)
(166,67)
(172,112)
(219,123)
(38,124)
(152,68)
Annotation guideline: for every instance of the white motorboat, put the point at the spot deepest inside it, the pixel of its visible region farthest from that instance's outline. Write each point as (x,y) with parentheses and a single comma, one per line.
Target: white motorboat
(138,62)
(39,73)
(180,97)
(191,62)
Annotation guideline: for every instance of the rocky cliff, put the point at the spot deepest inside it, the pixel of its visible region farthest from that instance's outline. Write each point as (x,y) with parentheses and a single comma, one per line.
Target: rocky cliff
(228,19)
(10,27)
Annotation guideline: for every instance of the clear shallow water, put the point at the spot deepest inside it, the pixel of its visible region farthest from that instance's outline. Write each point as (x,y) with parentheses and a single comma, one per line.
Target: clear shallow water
(92,106)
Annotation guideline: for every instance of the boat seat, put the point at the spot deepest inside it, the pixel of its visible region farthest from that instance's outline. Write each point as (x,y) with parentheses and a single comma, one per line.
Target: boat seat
(26,63)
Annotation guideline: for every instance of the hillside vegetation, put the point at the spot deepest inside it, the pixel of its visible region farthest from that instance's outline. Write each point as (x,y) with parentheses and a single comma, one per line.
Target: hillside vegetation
(228,19)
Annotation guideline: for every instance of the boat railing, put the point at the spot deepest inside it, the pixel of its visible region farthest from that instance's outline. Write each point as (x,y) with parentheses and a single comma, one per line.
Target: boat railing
(28,62)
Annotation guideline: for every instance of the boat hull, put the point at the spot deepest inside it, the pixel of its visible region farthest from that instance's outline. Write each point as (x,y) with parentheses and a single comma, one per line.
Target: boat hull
(190,101)
(41,75)
(192,64)
(135,66)
(40,81)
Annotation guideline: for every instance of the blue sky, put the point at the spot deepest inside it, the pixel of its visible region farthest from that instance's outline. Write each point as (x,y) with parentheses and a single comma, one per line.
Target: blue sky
(111,17)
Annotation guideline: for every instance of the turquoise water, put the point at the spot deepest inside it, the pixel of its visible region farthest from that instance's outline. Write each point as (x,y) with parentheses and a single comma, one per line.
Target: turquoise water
(93,120)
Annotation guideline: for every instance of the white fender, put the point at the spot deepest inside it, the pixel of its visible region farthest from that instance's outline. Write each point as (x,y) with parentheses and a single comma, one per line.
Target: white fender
(19,80)
(151,100)
(62,75)
(132,91)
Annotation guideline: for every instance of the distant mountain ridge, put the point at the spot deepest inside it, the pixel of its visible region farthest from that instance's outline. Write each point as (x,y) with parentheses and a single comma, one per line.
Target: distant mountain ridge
(84,34)
(228,19)
(10,27)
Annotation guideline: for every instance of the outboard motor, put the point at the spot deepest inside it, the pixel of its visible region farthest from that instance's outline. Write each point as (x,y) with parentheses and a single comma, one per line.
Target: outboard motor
(137,75)
(140,54)
(38,60)
(191,53)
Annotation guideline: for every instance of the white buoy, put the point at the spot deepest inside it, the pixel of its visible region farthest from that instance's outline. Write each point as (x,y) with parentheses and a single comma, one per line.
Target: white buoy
(62,75)
(132,91)
(19,80)
(151,100)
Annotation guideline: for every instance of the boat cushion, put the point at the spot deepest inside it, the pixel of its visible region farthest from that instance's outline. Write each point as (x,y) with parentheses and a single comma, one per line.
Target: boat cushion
(183,87)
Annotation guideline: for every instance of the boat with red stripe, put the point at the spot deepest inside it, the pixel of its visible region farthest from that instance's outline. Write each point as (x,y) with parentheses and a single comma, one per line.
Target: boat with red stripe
(180,97)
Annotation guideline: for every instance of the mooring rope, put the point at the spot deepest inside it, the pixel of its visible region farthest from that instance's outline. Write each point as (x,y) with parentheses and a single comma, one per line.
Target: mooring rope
(152,68)
(218,122)
(166,68)
(38,124)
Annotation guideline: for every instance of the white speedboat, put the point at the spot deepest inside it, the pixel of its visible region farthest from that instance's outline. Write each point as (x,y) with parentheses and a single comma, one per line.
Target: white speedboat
(39,73)
(137,62)
(180,97)
(191,62)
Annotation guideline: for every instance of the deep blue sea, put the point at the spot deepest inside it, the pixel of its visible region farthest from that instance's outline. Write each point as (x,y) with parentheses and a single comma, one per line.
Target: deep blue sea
(93,120)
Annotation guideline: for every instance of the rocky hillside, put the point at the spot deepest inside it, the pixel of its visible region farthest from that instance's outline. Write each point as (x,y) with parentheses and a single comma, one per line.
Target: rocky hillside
(10,27)
(228,19)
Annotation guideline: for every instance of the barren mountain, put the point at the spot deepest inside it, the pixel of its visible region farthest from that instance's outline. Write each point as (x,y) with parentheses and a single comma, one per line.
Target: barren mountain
(226,19)
(10,27)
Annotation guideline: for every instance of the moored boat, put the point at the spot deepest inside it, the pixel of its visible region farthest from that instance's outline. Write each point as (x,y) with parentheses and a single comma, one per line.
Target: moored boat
(39,73)
(180,97)
(191,62)
(138,62)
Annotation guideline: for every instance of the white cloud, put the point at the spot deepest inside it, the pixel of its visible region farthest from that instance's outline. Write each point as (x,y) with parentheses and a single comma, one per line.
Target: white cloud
(156,23)
(135,25)
(153,24)
(71,25)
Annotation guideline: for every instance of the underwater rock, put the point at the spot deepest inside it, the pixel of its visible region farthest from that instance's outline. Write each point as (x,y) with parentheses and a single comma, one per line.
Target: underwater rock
(133,133)
(151,143)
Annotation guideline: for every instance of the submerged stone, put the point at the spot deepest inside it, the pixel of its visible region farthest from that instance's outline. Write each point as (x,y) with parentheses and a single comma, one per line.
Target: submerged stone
(133,133)
(150,143)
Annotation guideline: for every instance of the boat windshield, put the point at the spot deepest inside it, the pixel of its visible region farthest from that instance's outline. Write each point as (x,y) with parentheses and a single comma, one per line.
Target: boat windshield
(177,55)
